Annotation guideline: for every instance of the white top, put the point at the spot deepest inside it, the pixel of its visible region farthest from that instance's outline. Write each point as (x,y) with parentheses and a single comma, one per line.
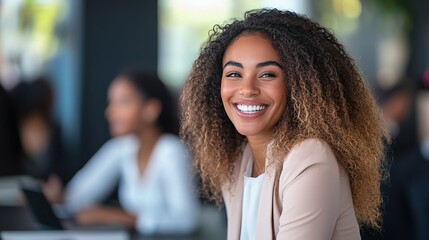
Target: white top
(162,199)
(251,196)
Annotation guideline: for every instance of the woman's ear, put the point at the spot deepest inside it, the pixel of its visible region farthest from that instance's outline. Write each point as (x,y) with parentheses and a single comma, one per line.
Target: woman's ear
(151,110)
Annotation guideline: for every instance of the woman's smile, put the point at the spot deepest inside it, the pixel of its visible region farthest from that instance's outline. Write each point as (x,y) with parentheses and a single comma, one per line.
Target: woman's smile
(250,110)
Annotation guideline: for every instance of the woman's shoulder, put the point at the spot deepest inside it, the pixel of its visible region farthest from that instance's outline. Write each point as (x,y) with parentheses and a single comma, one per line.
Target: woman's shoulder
(310,150)
(308,153)
(123,142)
(169,144)
(170,141)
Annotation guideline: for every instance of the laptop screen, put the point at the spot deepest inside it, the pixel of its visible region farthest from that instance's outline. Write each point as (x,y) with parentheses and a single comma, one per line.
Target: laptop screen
(41,208)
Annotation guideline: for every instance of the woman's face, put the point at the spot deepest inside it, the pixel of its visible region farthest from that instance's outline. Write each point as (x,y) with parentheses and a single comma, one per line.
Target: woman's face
(124,110)
(253,88)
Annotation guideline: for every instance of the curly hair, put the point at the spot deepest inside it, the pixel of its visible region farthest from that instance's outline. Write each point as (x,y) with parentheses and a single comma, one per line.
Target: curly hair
(327,98)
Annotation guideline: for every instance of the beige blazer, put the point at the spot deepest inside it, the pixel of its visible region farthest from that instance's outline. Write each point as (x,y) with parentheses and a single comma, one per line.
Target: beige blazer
(310,199)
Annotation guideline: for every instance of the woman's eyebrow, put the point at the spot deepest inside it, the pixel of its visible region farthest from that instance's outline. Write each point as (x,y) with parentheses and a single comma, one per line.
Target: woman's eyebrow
(268,63)
(232,63)
(259,65)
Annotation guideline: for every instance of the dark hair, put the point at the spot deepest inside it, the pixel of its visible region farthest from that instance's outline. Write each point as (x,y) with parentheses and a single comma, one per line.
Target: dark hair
(327,99)
(150,86)
(33,97)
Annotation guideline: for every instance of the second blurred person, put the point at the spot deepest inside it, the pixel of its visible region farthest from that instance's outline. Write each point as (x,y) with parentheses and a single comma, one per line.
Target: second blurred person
(156,190)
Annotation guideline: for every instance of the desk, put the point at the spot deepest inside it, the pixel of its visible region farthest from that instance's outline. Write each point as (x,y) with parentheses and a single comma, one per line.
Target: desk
(16,219)
(65,235)
(15,216)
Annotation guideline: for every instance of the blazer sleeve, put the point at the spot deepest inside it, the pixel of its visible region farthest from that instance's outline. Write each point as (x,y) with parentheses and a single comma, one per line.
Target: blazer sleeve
(310,192)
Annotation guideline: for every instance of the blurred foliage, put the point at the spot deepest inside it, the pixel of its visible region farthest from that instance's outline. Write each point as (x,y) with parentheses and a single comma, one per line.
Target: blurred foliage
(398,7)
(37,23)
(394,6)
(342,16)
(336,13)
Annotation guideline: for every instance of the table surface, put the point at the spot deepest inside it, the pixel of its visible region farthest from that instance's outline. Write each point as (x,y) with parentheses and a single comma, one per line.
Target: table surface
(16,216)
(19,218)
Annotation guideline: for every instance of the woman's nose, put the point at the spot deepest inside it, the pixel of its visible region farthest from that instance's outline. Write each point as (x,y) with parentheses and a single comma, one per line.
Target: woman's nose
(249,87)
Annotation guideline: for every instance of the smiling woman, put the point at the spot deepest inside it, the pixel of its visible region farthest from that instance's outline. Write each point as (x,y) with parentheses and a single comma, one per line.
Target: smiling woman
(284,130)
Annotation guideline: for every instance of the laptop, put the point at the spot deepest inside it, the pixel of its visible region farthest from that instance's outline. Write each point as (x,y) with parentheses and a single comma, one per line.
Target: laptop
(40,207)
(44,213)
(50,227)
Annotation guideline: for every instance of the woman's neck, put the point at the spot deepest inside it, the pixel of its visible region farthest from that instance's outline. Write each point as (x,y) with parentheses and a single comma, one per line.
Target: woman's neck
(258,147)
(148,139)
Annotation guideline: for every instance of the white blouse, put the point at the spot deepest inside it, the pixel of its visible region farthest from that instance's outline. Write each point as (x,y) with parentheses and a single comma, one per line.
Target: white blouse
(251,196)
(162,199)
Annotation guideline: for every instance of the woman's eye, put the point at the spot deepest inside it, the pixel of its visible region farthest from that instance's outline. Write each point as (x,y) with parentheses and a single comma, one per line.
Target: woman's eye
(232,75)
(267,75)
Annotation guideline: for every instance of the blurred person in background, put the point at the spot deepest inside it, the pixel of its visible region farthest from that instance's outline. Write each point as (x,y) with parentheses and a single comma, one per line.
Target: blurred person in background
(406,193)
(10,145)
(407,200)
(39,132)
(397,104)
(156,192)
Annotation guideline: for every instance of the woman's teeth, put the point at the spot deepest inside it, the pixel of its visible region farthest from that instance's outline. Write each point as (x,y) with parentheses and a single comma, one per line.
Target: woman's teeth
(250,108)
